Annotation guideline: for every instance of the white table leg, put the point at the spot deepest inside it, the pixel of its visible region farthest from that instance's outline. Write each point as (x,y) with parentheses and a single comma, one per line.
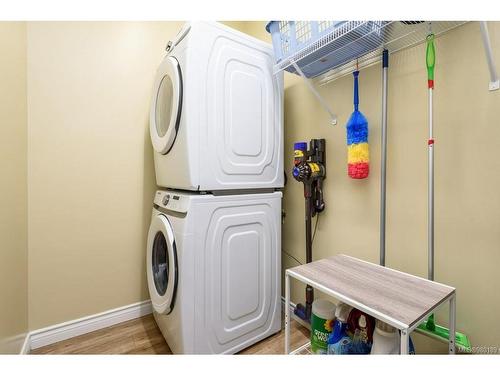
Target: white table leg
(405,341)
(287,313)
(452,324)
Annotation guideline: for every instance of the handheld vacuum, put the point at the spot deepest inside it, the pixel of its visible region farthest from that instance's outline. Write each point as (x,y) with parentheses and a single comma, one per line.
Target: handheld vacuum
(309,168)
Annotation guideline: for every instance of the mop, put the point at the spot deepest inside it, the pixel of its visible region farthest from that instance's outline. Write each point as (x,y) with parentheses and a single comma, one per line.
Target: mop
(429,327)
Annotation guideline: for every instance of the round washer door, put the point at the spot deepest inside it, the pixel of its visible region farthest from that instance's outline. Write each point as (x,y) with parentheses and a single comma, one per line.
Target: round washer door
(161,264)
(166,105)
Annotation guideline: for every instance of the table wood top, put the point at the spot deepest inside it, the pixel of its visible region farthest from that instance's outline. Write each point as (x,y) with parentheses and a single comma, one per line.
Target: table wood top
(403,298)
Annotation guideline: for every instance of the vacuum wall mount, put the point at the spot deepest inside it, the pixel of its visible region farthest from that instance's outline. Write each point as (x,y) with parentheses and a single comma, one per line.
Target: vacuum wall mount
(310,169)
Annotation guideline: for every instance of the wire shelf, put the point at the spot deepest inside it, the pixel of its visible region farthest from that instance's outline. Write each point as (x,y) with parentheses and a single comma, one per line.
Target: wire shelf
(304,349)
(391,35)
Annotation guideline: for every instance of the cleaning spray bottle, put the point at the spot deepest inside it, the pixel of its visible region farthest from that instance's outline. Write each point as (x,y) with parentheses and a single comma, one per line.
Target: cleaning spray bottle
(339,341)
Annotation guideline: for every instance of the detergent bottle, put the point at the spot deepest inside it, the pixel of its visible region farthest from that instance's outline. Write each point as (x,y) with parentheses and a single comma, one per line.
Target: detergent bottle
(323,313)
(360,327)
(385,339)
(339,341)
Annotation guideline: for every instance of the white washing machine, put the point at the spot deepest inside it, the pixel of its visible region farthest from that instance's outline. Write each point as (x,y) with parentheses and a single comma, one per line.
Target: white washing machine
(216,119)
(214,269)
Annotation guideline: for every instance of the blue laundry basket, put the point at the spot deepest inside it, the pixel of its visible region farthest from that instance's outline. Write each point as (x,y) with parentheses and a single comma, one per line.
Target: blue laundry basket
(324,44)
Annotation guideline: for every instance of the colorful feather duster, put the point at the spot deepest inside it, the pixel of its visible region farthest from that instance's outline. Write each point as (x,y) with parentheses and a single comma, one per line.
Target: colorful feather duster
(358,153)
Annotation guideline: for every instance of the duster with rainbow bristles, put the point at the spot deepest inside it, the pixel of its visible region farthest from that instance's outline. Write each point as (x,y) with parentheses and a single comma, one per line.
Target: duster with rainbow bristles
(358,153)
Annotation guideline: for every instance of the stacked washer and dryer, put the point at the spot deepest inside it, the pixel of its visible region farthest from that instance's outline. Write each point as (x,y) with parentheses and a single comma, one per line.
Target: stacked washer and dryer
(214,245)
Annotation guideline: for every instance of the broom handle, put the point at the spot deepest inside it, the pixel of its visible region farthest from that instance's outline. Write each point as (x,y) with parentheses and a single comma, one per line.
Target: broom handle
(356,95)
(431,61)
(383,163)
(431,195)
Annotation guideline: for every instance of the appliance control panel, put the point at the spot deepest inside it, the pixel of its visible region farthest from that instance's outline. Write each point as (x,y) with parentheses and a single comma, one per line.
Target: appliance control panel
(171,201)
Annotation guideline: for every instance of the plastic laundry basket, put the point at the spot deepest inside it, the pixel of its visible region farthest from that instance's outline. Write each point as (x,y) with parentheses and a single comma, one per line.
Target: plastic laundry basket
(319,46)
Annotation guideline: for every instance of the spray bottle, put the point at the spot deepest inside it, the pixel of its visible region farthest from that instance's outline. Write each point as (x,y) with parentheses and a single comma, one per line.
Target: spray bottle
(339,342)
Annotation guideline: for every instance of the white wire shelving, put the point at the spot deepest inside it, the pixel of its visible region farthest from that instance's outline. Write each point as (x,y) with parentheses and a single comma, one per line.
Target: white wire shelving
(494,81)
(394,36)
(391,35)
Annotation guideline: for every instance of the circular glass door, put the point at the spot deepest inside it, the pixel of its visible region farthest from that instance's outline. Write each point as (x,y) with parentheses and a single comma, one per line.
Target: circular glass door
(166,105)
(161,263)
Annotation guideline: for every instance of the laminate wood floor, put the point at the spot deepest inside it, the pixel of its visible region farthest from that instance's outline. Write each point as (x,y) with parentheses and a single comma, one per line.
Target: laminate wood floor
(142,336)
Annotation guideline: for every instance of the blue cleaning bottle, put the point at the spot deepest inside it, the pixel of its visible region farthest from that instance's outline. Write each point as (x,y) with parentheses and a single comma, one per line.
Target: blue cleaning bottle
(338,341)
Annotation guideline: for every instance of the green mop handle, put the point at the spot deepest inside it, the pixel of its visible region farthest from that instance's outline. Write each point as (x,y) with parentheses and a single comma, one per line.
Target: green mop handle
(431,60)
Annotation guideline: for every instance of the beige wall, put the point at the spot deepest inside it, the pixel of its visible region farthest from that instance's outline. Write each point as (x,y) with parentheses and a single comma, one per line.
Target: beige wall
(91,175)
(467,174)
(13,204)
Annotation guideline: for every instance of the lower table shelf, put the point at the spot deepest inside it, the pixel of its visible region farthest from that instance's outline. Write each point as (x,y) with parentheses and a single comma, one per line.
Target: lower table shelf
(302,350)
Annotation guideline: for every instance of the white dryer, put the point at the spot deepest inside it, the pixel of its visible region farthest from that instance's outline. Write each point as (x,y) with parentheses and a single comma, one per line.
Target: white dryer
(214,269)
(216,119)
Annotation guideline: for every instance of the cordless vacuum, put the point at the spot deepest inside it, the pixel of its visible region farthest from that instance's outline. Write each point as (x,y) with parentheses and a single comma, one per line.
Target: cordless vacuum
(309,168)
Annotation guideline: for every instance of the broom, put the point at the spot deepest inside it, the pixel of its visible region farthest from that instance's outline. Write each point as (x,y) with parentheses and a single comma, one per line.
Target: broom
(358,155)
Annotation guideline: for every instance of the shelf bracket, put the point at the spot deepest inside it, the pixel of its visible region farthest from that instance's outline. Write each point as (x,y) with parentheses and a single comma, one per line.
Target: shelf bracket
(310,86)
(494,81)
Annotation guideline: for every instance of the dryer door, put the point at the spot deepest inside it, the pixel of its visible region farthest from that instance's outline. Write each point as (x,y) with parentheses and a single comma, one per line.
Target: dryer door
(166,105)
(161,265)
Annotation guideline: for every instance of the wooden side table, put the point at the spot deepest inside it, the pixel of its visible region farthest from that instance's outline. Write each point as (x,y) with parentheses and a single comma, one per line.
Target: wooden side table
(396,298)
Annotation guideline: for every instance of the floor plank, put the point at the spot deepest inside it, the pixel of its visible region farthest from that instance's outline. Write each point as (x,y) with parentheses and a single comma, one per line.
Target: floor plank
(134,336)
(142,336)
(275,344)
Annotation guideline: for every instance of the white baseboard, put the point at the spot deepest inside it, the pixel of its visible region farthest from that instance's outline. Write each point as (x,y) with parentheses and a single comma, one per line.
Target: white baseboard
(14,344)
(25,349)
(63,331)
(73,328)
(291,310)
